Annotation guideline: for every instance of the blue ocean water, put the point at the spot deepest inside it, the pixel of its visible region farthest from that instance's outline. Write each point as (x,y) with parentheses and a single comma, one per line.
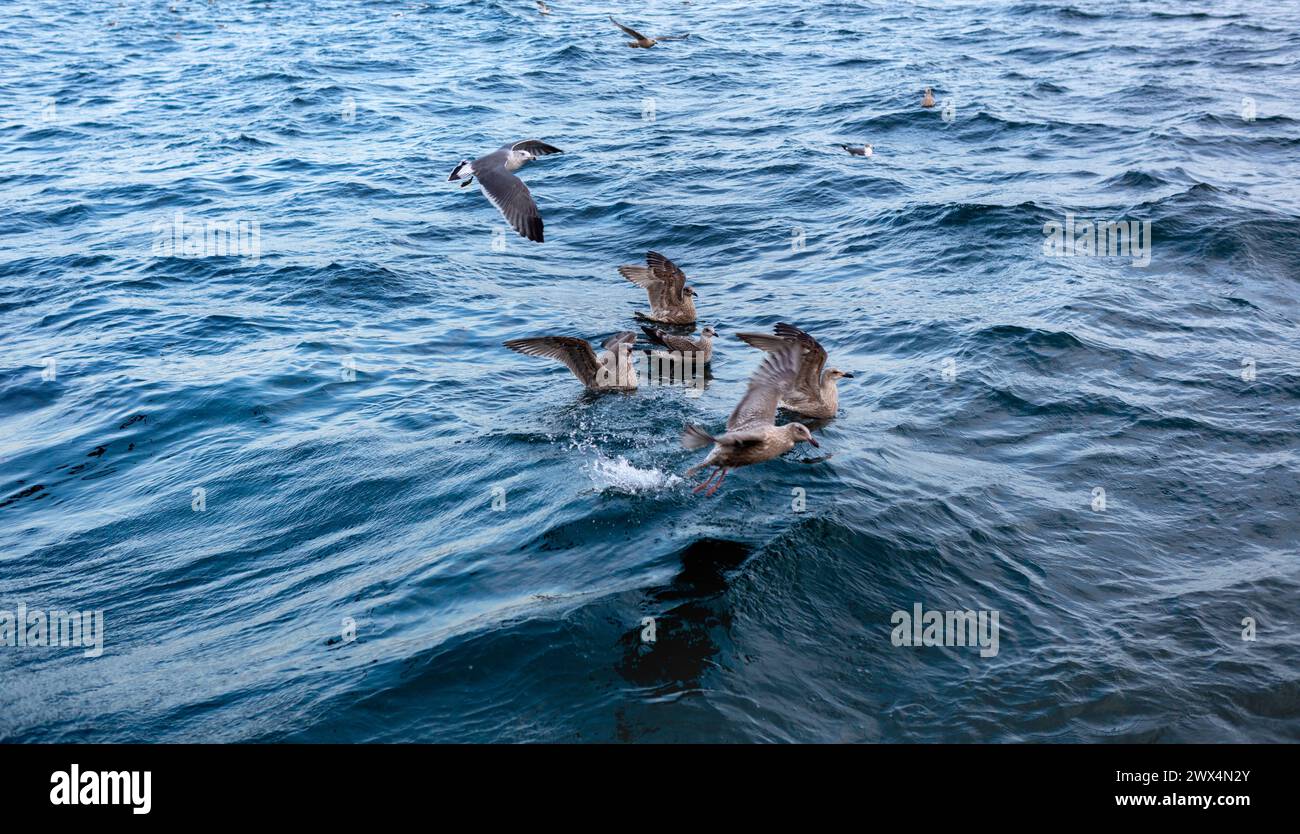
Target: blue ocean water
(407,532)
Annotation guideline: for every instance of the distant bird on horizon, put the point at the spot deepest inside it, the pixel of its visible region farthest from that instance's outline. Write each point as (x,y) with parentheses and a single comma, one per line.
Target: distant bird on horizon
(752,435)
(610,370)
(641,41)
(928,101)
(702,347)
(506,191)
(858,150)
(814,393)
(671,301)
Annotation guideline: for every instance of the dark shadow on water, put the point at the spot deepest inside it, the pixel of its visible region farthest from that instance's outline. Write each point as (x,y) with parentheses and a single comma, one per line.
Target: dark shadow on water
(685,637)
(705,564)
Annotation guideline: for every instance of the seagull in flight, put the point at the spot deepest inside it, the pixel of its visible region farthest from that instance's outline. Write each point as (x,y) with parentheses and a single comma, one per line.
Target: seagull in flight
(507,192)
(640,40)
(752,435)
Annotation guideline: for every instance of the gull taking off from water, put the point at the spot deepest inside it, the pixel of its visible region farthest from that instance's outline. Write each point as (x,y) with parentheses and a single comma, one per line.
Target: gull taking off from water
(814,393)
(610,370)
(857,150)
(752,435)
(641,41)
(671,301)
(506,191)
(928,101)
(702,347)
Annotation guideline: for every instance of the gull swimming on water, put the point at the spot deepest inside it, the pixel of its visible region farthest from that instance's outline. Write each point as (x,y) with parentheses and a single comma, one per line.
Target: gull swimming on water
(857,150)
(610,370)
(671,301)
(701,347)
(752,435)
(641,40)
(542,7)
(928,101)
(506,191)
(814,393)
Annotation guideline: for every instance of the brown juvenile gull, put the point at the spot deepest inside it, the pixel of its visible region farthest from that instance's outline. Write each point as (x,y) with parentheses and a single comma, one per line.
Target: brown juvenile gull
(506,191)
(671,301)
(814,393)
(702,347)
(610,370)
(752,435)
(928,101)
(641,40)
(858,150)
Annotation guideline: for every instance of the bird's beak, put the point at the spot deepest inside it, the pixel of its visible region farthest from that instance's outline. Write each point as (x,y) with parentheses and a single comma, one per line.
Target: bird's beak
(848,375)
(814,442)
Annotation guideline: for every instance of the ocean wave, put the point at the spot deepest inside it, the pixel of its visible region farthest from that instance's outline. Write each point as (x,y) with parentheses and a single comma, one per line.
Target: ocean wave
(331,432)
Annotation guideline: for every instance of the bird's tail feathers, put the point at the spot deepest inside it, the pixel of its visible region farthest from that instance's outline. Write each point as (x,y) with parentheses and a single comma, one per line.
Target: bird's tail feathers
(696,438)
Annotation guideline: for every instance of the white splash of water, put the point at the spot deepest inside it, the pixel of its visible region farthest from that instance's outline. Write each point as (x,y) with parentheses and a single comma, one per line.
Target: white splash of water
(621,476)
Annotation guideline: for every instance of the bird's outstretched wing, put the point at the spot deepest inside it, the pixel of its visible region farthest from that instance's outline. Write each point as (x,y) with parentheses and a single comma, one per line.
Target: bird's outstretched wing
(535,147)
(772,379)
(809,380)
(626,337)
(645,278)
(763,341)
(634,33)
(512,198)
(666,271)
(639,275)
(572,351)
